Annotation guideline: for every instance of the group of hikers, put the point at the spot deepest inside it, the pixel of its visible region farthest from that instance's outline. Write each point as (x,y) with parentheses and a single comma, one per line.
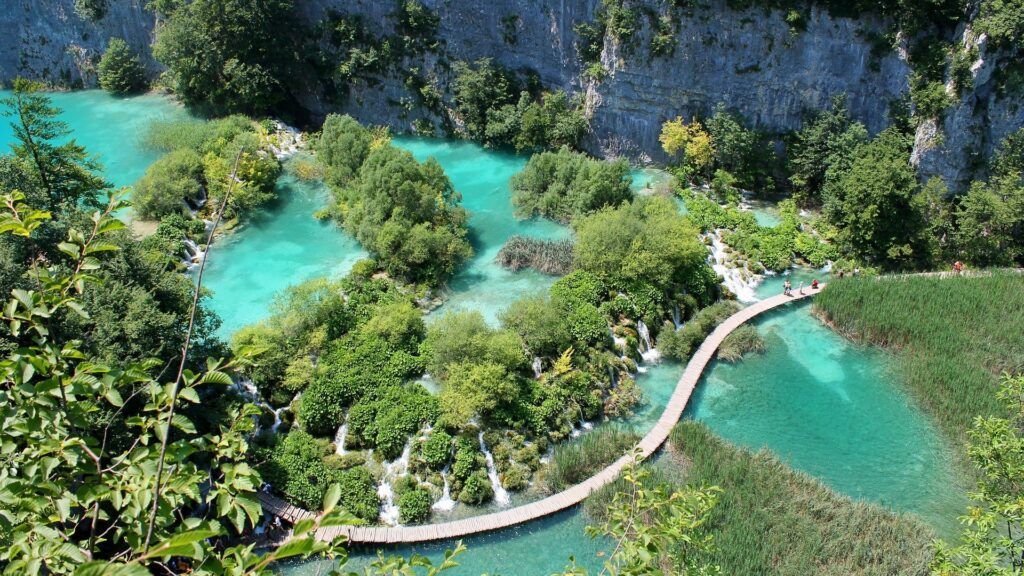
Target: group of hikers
(787,287)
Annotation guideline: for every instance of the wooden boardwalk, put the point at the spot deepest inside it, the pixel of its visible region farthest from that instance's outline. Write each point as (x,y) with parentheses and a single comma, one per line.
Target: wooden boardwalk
(569,497)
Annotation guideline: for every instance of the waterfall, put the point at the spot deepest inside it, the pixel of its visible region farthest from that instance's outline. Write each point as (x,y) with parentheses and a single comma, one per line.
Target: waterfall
(732,278)
(389,512)
(500,494)
(445,503)
(538,367)
(676,316)
(339,437)
(193,253)
(647,349)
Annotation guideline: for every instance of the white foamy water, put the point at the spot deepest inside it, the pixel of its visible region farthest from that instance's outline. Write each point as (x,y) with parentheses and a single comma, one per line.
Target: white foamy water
(501,497)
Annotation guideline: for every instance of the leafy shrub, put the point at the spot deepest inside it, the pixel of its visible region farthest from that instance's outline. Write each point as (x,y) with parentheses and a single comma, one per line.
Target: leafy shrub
(296,469)
(414,506)
(466,337)
(359,493)
(437,450)
(681,344)
(563,185)
(167,183)
(119,70)
(91,10)
(477,489)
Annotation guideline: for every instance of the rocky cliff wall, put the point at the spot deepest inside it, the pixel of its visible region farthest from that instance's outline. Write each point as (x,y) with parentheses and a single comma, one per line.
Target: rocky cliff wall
(47,40)
(748,60)
(751,60)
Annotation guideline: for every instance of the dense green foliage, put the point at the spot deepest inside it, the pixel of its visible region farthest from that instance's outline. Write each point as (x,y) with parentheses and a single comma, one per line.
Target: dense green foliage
(647,251)
(404,212)
(563,185)
(992,540)
(177,181)
(773,520)
(825,140)
(682,343)
(955,335)
(168,184)
(120,70)
(227,55)
(498,109)
(108,469)
(92,10)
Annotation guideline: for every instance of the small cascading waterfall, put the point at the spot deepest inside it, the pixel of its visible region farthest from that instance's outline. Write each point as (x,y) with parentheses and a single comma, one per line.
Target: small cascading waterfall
(501,497)
(647,349)
(389,512)
(194,255)
(445,502)
(339,437)
(732,278)
(677,322)
(538,366)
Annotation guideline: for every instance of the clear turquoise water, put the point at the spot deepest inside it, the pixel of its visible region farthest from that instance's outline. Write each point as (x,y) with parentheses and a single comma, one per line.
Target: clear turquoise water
(824,404)
(277,248)
(482,177)
(828,407)
(110,128)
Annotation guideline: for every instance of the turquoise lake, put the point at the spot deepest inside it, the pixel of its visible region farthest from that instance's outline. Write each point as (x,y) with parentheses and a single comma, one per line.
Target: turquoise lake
(829,407)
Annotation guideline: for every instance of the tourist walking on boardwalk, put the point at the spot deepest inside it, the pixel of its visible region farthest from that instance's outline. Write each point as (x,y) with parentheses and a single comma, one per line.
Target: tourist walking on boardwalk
(814,284)
(801,289)
(958,267)
(787,288)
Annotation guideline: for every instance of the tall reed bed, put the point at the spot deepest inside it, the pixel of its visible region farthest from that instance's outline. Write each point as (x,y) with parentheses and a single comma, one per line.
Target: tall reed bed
(773,520)
(954,335)
(553,257)
(574,462)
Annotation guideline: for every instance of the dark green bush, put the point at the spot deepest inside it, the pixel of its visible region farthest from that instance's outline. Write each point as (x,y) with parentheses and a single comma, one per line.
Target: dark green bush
(414,506)
(119,70)
(171,180)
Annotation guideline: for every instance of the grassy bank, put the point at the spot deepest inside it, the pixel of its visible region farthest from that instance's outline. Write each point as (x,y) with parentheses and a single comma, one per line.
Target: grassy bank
(954,336)
(574,462)
(774,520)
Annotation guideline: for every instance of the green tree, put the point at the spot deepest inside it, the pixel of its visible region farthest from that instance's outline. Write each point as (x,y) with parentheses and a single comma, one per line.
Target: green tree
(992,538)
(168,183)
(742,152)
(92,10)
(66,174)
(690,141)
(828,139)
(990,222)
(228,55)
(120,70)
(342,147)
(658,530)
(480,87)
(876,206)
(407,215)
(563,185)
(475,390)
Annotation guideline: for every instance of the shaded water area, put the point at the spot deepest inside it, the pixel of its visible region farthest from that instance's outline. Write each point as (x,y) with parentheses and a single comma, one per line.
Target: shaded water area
(827,406)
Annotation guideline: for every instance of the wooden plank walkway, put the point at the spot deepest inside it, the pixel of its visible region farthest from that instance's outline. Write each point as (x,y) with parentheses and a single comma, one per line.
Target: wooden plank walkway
(569,497)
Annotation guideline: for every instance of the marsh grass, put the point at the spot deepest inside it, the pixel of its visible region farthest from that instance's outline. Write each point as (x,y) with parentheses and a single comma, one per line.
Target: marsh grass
(742,341)
(574,462)
(954,336)
(773,520)
(552,257)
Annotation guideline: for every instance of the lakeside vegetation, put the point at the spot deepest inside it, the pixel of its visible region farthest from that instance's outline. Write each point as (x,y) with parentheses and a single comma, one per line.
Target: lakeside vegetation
(953,336)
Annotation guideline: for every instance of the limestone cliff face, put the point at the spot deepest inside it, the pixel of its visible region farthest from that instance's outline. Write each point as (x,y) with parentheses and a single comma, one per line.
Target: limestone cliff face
(46,40)
(748,60)
(751,61)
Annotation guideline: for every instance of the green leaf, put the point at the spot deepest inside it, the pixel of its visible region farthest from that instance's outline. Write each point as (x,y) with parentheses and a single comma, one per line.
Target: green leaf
(332,496)
(114,397)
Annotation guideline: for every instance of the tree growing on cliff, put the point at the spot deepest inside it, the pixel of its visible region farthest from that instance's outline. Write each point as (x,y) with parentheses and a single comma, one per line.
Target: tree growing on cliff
(228,55)
(91,10)
(119,70)
(690,144)
(827,139)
